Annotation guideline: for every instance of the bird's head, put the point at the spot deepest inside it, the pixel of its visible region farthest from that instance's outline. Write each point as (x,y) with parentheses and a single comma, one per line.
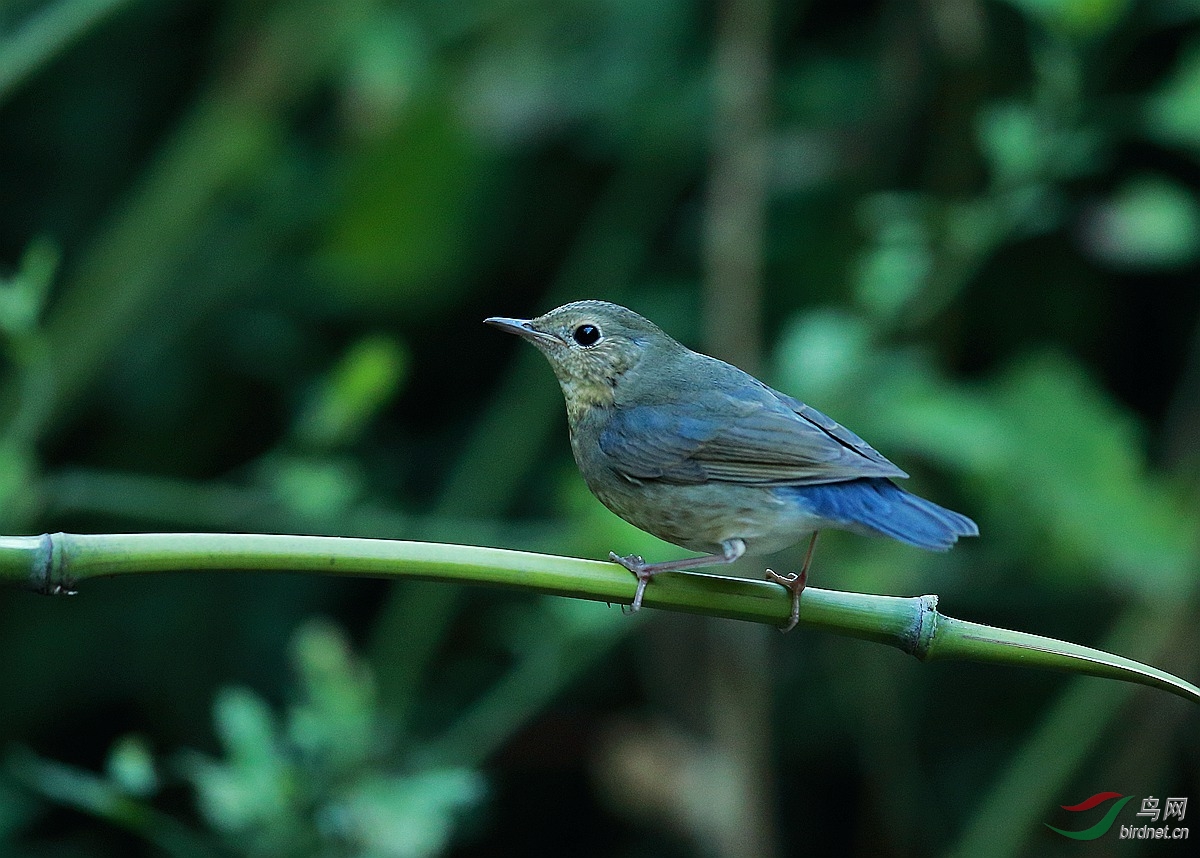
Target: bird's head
(591,345)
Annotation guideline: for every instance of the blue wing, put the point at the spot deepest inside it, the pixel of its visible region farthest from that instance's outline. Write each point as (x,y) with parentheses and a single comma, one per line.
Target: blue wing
(748,434)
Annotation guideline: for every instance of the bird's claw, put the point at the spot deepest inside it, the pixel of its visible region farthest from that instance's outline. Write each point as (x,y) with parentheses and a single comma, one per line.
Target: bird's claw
(635,564)
(794,583)
(636,604)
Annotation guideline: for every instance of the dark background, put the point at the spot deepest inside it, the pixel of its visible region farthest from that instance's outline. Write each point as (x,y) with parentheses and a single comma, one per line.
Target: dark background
(246,248)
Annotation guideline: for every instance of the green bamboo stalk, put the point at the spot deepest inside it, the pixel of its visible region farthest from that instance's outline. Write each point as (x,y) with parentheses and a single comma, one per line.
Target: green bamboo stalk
(56,563)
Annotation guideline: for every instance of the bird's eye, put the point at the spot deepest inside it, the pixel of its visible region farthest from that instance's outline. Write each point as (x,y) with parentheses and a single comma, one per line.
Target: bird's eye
(587,335)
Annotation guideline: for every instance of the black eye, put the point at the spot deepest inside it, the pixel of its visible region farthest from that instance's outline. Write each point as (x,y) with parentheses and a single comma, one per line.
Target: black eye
(587,335)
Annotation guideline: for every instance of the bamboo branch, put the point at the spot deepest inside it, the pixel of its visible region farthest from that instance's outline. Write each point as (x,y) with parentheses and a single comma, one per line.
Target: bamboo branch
(56,563)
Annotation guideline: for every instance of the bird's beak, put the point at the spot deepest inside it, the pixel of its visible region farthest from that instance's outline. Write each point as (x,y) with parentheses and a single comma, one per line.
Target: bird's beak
(522,328)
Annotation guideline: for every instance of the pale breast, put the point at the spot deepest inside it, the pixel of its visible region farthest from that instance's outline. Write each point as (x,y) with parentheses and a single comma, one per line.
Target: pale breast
(702,517)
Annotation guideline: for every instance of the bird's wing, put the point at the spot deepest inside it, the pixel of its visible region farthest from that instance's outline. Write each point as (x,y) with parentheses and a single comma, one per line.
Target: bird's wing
(753,436)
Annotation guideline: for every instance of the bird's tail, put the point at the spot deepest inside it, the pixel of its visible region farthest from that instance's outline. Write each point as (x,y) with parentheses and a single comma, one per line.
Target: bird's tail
(879,506)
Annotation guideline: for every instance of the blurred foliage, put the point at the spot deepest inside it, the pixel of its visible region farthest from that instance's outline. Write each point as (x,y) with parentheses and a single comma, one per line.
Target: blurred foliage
(245,248)
(319,783)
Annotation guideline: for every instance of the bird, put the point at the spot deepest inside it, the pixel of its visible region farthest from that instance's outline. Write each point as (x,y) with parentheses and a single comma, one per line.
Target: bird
(705,456)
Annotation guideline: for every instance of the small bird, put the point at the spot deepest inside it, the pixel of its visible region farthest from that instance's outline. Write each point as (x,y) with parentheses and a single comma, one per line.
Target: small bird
(706,456)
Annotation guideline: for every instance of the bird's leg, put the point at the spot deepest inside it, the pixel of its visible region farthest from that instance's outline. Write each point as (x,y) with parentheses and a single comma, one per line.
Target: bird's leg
(731,550)
(795,584)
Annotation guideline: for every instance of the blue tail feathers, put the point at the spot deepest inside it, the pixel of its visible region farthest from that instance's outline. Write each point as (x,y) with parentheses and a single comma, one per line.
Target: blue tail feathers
(878,505)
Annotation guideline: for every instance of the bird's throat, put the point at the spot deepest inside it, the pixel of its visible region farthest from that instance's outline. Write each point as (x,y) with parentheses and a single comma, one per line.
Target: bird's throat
(582,397)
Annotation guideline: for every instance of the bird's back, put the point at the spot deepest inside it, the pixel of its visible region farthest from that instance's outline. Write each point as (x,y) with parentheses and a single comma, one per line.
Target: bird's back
(692,418)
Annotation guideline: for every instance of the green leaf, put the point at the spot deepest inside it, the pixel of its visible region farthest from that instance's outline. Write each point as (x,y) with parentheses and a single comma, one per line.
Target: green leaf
(1172,115)
(388,64)
(1077,472)
(314,487)
(334,723)
(823,353)
(1151,222)
(1075,17)
(251,787)
(363,381)
(405,231)
(403,817)
(131,766)
(1013,141)
(23,295)
(898,260)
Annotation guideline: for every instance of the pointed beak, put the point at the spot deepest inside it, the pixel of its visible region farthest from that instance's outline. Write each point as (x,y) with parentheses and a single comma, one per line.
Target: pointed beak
(522,328)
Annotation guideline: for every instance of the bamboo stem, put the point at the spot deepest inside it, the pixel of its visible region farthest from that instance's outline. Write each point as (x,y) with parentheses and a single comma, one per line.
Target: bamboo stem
(56,563)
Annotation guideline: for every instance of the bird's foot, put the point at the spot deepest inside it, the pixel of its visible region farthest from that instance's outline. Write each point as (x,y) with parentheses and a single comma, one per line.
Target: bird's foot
(795,585)
(640,568)
(633,562)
